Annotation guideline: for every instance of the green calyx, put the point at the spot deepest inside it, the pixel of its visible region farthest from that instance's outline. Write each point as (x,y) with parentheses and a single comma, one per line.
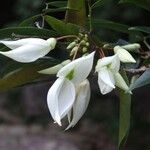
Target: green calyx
(70,75)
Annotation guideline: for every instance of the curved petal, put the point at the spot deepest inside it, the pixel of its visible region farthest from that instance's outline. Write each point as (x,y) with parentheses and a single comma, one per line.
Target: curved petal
(81,68)
(124,55)
(60,98)
(27,53)
(21,42)
(112,62)
(81,103)
(106,81)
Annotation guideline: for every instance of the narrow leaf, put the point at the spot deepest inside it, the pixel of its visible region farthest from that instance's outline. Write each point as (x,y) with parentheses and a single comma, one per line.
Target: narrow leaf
(61,27)
(25,31)
(141,3)
(58,3)
(143,80)
(144,29)
(25,73)
(102,23)
(124,115)
(100,3)
(30,21)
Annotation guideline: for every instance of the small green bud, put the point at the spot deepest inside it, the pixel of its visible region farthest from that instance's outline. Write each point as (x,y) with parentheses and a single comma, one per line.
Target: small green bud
(83,42)
(71,45)
(87,44)
(131,47)
(74,50)
(84,49)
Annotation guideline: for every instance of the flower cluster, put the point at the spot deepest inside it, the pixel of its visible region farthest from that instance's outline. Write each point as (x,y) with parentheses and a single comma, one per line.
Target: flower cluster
(70,94)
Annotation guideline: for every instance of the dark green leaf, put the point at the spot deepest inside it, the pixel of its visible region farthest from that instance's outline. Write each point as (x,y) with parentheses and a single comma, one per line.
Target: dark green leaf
(124,118)
(141,29)
(124,115)
(25,32)
(99,3)
(143,80)
(102,23)
(30,21)
(61,9)
(141,3)
(61,27)
(58,3)
(24,73)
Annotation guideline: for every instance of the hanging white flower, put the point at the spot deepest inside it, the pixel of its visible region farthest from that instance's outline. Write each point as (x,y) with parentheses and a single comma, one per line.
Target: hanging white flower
(124,55)
(29,49)
(62,94)
(108,74)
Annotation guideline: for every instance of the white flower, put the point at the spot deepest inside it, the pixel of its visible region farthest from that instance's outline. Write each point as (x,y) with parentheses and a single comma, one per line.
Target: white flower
(108,74)
(62,96)
(124,55)
(83,94)
(29,49)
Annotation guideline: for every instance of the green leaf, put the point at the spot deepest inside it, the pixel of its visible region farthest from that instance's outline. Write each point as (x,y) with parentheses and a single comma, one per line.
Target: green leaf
(141,3)
(124,115)
(58,3)
(144,29)
(143,80)
(30,21)
(25,73)
(61,9)
(102,23)
(61,27)
(100,3)
(124,118)
(26,31)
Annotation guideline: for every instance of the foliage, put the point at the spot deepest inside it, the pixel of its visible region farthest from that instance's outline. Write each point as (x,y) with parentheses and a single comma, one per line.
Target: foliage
(76,20)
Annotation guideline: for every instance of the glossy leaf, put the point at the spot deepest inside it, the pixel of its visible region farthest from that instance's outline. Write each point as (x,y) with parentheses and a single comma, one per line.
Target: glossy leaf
(124,115)
(24,73)
(49,10)
(141,3)
(99,3)
(143,80)
(58,3)
(26,32)
(107,24)
(30,21)
(144,29)
(61,27)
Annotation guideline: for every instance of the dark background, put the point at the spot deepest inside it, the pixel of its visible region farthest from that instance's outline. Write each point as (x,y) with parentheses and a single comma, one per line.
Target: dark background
(25,122)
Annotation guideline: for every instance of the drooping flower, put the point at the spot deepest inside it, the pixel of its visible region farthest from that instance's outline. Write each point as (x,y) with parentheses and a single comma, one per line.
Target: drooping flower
(83,94)
(63,94)
(124,55)
(29,49)
(108,74)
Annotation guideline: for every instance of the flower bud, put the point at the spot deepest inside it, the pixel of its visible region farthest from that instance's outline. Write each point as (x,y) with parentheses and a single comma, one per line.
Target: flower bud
(131,47)
(74,50)
(52,42)
(84,49)
(120,82)
(71,45)
(87,44)
(124,55)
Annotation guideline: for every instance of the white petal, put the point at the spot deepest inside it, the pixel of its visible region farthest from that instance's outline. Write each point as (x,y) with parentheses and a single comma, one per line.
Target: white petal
(81,103)
(18,43)
(27,53)
(124,55)
(81,68)
(106,81)
(112,62)
(60,98)
(120,82)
